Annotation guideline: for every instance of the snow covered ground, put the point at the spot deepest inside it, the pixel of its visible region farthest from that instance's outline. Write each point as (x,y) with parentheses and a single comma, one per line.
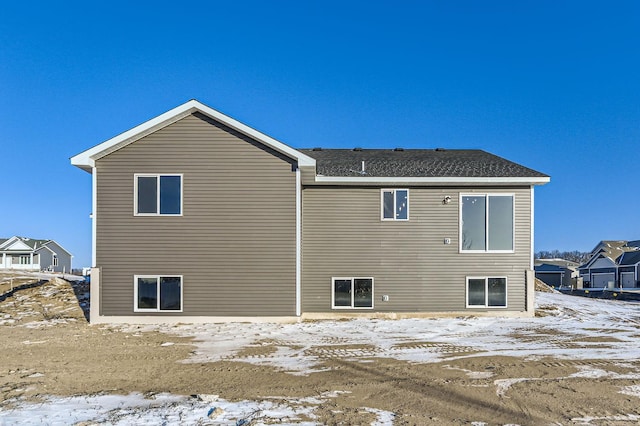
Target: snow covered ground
(567,327)
(165,409)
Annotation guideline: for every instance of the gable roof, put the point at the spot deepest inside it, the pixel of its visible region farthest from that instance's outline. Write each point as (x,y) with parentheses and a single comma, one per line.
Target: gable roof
(559,263)
(343,166)
(620,252)
(608,245)
(428,163)
(31,243)
(547,267)
(86,159)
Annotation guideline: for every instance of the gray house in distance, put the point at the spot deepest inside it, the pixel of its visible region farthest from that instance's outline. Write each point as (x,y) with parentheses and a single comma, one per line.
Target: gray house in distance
(198,217)
(31,254)
(613,263)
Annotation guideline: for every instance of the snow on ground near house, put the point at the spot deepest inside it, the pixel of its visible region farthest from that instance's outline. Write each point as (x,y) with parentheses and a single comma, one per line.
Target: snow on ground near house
(7,275)
(171,409)
(566,327)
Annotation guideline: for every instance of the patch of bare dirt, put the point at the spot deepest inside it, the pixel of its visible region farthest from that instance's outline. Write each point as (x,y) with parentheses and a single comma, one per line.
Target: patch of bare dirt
(541,286)
(49,349)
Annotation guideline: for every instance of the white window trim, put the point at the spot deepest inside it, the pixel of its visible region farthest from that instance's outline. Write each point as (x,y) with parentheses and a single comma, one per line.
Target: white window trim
(393,190)
(486,293)
(157,277)
(157,176)
(486,224)
(333,295)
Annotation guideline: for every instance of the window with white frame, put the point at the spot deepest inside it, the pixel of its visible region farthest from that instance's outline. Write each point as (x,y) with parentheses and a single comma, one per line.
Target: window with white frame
(55,260)
(395,204)
(158,293)
(158,194)
(352,293)
(486,223)
(25,259)
(486,292)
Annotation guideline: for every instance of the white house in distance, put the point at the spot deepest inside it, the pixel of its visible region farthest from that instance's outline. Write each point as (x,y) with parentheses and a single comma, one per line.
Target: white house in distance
(34,255)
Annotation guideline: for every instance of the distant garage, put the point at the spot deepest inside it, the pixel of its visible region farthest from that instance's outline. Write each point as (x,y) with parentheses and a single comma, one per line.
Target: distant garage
(555,272)
(602,280)
(554,279)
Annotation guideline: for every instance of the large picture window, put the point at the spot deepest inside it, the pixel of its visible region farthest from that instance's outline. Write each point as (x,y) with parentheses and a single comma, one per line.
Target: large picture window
(486,292)
(155,293)
(486,223)
(395,204)
(352,293)
(158,195)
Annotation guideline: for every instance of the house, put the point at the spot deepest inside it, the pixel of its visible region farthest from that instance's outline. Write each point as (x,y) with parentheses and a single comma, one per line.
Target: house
(556,272)
(34,255)
(613,263)
(198,217)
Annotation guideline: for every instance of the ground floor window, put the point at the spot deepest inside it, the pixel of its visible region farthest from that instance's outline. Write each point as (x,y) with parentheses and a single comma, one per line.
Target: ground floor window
(157,293)
(351,293)
(486,292)
(25,259)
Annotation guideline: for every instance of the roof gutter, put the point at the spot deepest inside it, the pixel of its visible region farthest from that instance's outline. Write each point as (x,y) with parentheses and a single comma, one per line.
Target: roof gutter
(446,181)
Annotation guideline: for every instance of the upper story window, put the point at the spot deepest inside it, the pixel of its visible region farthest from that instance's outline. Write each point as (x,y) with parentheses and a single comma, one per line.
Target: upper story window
(395,204)
(157,194)
(486,223)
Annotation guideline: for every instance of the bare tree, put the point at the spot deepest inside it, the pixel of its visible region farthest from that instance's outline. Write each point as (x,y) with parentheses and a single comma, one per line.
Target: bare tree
(574,256)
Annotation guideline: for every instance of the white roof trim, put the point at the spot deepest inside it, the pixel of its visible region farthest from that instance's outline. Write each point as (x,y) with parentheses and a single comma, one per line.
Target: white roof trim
(58,244)
(43,247)
(9,241)
(434,180)
(86,159)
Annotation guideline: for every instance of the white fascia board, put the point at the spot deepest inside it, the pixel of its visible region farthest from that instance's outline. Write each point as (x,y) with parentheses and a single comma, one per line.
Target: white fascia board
(86,159)
(58,244)
(9,241)
(42,247)
(351,180)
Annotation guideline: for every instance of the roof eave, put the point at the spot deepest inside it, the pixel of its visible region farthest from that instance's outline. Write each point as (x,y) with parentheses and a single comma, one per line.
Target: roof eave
(446,181)
(86,159)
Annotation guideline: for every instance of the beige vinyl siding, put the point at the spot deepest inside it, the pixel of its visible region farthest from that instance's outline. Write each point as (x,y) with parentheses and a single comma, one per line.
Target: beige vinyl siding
(343,236)
(235,243)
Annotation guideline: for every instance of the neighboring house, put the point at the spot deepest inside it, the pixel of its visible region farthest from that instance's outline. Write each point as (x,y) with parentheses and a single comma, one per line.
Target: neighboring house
(556,272)
(198,217)
(613,264)
(34,255)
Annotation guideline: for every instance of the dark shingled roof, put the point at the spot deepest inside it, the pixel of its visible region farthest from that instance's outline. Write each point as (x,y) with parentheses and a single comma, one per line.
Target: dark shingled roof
(33,243)
(630,258)
(415,163)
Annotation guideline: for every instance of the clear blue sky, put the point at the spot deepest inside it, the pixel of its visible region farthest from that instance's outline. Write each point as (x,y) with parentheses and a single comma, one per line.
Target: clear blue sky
(553,85)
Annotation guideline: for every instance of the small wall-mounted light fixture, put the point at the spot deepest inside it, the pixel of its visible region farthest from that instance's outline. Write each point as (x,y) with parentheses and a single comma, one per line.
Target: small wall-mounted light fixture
(446,200)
